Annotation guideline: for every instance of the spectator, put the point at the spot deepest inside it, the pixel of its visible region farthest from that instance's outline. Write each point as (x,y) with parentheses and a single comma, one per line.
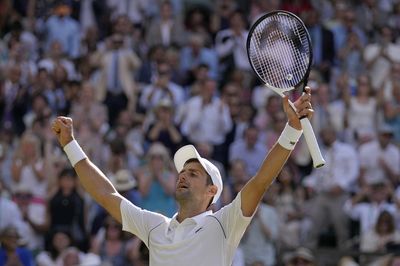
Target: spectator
(62,27)
(161,88)
(14,216)
(54,57)
(289,203)
(116,86)
(167,30)
(249,149)
(33,210)
(260,239)
(379,159)
(206,107)
(148,70)
(163,128)
(350,56)
(59,240)
(369,202)
(157,181)
(16,100)
(111,247)
(346,26)
(66,208)
(322,42)
(383,234)
(196,53)
(361,108)
(11,253)
(391,113)
(380,55)
(230,45)
(28,166)
(332,185)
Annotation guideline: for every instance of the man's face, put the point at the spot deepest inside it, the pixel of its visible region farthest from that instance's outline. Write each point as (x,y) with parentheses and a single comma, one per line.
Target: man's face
(192,183)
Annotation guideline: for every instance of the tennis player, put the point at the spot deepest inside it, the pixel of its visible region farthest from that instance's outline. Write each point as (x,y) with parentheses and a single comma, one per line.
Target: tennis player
(195,235)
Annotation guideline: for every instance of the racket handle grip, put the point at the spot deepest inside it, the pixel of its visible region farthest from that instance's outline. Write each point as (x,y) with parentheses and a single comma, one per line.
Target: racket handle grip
(312,143)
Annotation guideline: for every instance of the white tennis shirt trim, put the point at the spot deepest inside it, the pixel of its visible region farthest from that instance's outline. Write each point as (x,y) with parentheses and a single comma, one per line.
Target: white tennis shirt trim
(206,239)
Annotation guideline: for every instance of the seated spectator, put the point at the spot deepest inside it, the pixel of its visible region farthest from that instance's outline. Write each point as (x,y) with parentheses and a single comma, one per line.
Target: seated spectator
(156,181)
(11,253)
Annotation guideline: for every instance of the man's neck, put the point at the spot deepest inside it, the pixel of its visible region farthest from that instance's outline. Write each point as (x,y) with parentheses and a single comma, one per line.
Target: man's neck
(188,211)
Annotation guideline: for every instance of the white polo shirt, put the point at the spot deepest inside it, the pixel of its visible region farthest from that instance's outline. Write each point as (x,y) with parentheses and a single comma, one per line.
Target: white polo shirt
(208,239)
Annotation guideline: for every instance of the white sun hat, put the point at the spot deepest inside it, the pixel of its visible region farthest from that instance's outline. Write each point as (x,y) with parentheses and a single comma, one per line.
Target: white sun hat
(189,152)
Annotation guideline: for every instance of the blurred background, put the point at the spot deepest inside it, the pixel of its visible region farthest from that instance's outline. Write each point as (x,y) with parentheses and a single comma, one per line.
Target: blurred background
(141,78)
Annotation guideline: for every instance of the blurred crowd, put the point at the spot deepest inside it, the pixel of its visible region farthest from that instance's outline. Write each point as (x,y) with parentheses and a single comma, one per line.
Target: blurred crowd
(140,78)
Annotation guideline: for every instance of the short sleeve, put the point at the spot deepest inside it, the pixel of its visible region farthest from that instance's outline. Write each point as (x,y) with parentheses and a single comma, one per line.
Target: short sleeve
(233,220)
(138,221)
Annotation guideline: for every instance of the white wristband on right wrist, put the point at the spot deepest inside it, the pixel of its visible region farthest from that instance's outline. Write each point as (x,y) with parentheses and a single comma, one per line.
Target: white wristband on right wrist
(74,152)
(289,137)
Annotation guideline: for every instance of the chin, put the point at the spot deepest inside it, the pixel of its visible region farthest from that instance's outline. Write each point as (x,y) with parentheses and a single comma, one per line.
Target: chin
(181,195)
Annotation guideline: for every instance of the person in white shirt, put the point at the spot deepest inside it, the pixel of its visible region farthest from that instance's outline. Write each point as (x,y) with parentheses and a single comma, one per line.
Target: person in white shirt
(376,191)
(380,159)
(206,107)
(331,185)
(195,234)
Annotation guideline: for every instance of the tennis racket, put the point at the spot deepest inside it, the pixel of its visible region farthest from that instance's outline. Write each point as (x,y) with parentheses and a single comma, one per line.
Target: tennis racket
(280,53)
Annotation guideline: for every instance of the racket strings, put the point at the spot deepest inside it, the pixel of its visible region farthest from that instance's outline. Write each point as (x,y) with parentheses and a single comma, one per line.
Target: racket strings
(280,51)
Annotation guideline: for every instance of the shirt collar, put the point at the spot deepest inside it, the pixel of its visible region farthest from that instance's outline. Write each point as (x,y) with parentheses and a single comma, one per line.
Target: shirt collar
(196,219)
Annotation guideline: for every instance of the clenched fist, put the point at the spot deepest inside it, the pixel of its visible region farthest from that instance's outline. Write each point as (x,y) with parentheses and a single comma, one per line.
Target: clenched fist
(63,129)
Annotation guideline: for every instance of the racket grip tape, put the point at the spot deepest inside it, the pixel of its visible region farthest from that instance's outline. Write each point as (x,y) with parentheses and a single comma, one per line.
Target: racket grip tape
(318,160)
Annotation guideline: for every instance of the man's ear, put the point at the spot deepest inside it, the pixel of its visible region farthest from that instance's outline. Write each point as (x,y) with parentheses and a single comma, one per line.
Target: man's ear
(213,190)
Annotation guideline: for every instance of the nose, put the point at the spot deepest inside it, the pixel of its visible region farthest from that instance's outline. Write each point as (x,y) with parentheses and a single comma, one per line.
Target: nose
(181,176)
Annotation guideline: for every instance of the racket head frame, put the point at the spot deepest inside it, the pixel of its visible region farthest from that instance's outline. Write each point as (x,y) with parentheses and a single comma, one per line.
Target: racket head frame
(303,82)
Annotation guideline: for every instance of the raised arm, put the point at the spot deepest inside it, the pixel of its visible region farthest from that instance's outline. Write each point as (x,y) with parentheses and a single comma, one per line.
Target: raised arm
(255,188)
(92,178)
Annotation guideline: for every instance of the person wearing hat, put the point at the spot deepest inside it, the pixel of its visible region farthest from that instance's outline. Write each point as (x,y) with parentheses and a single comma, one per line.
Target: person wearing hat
(194,234)
(299,257)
